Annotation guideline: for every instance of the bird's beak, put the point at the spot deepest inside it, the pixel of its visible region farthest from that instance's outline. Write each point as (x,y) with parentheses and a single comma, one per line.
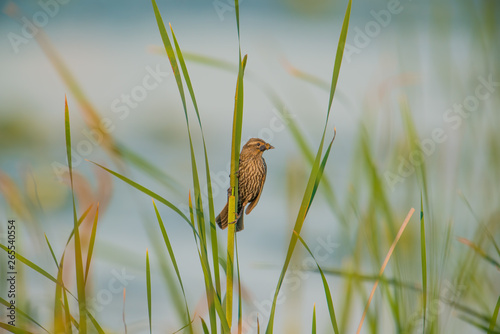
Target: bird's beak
(269,147)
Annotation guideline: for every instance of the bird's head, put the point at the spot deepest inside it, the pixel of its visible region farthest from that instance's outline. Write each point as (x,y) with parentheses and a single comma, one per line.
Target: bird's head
(256,147)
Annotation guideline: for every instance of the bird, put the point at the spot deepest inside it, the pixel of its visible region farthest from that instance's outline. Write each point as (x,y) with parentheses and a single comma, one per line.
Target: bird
(251,177)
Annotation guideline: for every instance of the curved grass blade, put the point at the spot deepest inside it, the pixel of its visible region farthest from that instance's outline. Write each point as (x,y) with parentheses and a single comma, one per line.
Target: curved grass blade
(235,153)
(321,169)
(168,274)
(213,227)
(80,282)
(196,183)
(486,230)
(95,323)
(480,252)
(59,304)
(14,329)
(67,313)
(478,325)
(149,169)
(208,284)
(235,158)
(80,221)
(328,294)
(51,251)
(364,277)
(150,194)
(204,326)
(315,172)
(185,326)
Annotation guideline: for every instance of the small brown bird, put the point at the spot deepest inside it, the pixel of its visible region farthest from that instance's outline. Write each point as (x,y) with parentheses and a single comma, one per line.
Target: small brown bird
(251,177)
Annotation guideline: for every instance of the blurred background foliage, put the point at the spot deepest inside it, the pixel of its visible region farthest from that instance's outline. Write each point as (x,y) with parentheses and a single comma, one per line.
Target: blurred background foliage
(410,69)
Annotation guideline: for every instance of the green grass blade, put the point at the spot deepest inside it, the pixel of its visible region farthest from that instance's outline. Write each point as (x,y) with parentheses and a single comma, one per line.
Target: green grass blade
(170,279)
(197,189)
(91,243)
(80,221)
(14,329)
(339,56)
(178,79)
(321,170)
(95,323)
(494,316)
(80,282)
(213,227)
(313,331)
(328,294)
(423,256)
(240,309)
(237,13)
(486,230)
(59,303)
(216,302)
(480,252)
(149,169)
(172,258)
(233,199)
(170,52)
(67,313)
(235,153)
(315,172)
(150,194)
(304,208)
(478,325)
(185,72)
(148,289)
(204,326)
(51,251)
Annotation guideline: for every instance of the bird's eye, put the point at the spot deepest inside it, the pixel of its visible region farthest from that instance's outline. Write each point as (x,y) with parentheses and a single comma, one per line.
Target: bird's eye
(258,144)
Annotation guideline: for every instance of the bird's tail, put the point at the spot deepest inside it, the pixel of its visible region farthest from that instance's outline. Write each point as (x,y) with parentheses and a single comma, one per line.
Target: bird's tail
(221,220)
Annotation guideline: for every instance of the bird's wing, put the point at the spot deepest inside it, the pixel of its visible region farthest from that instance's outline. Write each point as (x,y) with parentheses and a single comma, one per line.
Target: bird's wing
(256,200)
